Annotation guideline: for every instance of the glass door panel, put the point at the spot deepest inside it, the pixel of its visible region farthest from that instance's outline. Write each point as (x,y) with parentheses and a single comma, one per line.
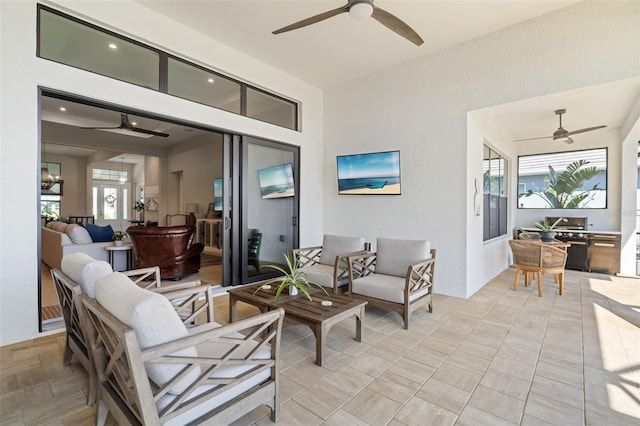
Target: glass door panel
(271,211)
(110,206)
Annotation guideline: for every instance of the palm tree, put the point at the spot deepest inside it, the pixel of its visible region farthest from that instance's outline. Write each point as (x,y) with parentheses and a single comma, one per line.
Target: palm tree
(564,190)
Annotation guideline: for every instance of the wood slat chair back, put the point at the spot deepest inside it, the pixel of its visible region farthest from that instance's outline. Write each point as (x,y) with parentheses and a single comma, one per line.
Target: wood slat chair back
(128,394)
(309,256)
(190,300)
(418,284)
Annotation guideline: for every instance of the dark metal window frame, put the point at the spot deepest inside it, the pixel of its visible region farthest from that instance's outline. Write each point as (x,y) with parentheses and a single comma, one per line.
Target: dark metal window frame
(577,155)
(495,215)
(163,71)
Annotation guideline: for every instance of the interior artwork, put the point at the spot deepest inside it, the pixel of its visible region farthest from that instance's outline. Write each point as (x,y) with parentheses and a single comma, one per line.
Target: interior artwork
(125,124)
(562,134)
(371,173)
(361,9)
(564,180)
(277,181)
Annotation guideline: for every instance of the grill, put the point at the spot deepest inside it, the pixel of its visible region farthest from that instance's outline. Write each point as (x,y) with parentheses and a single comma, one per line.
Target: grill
(570,230)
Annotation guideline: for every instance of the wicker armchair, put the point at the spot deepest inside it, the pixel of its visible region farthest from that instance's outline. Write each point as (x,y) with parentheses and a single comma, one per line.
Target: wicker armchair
(534,257)
(529,236)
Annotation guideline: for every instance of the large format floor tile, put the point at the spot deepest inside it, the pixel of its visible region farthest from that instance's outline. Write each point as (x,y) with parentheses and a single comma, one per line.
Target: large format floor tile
(502,357)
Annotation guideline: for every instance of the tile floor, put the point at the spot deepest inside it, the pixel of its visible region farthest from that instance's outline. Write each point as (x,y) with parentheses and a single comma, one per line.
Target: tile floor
(502,357)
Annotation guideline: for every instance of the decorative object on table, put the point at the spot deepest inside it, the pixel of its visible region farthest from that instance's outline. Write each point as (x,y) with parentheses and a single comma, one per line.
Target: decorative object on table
(547,232)
(139,208)
(293,279)
(117,238)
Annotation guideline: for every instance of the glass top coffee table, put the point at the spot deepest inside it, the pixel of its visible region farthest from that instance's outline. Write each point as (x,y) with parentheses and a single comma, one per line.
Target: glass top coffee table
(320,317)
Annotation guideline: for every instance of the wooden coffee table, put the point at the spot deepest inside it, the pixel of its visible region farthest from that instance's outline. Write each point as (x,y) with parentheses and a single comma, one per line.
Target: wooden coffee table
(302,310)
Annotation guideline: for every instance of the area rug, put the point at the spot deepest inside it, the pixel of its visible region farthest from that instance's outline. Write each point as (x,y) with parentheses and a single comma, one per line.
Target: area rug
(51,312)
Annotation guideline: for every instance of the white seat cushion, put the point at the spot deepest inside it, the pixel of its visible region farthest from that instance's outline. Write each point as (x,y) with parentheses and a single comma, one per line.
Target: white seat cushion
(321,274)
(84,270)
(395,256)
(336,245)
(153,319)
(385,287)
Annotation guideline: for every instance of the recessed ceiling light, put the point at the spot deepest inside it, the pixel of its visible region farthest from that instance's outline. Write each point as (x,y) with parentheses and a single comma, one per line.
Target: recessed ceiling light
(113,46)
(133,123)
(210,80)
(63,109)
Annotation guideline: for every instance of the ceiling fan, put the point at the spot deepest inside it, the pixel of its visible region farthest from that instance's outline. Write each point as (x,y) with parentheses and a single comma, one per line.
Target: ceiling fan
(126,125)
(361,9)
(562,134)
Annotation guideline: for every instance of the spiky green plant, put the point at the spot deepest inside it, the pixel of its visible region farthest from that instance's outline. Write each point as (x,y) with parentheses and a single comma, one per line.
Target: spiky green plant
(563,189)
(294,277)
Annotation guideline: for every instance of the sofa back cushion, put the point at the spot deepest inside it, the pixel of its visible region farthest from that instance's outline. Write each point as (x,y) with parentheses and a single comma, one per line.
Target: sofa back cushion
(78,234)
(99,234)
(335,245)
(154,320)
(395,256)
(57,226)
(84,270)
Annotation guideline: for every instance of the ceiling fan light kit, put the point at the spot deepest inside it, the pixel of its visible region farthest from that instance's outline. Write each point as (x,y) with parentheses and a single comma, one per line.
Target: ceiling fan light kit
(125,124)
(562,134)
(360,9)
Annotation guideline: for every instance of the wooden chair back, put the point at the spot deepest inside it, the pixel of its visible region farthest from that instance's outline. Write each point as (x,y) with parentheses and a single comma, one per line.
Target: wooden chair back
(129,395)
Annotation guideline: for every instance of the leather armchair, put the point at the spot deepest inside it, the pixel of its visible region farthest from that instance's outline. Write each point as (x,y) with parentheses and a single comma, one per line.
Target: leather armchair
(171,248)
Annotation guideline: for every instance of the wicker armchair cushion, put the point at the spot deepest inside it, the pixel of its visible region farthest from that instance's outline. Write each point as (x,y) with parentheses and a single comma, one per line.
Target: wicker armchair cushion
(395,256)
(154,320)
(335,245)
(84,270)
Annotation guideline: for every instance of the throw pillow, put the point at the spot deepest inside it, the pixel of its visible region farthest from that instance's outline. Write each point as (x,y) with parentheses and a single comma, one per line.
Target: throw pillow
(100,234)
(78,234)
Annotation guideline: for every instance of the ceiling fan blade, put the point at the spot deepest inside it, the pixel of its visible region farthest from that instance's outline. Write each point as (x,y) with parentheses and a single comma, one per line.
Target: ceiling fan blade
(587,129)
(147,132)
(533,139)
(396,25)
(312,20)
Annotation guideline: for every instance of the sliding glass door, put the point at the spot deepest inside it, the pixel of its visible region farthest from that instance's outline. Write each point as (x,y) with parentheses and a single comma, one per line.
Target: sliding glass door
(264,196)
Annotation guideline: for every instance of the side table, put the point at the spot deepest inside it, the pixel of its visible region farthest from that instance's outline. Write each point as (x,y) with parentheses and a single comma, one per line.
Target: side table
(128,248)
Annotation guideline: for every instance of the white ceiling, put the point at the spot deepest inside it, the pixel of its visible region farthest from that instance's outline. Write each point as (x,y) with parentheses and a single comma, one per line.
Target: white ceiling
(340,48)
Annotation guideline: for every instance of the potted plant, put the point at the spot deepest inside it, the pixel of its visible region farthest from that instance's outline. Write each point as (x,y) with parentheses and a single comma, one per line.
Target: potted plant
(547,232)
(293,279)
(117,238)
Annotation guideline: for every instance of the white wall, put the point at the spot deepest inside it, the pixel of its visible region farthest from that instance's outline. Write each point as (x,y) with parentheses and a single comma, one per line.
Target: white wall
(22,73)
(421,108)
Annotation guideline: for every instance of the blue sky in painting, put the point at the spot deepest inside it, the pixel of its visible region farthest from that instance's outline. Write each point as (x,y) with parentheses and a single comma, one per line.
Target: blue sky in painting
(277,175)
(369,165)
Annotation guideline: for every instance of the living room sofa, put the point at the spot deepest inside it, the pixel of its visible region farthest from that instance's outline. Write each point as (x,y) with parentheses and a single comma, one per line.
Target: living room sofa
(59,238)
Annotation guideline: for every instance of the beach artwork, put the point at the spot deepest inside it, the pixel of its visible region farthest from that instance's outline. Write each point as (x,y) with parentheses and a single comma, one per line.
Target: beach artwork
(277,181)
(372,173)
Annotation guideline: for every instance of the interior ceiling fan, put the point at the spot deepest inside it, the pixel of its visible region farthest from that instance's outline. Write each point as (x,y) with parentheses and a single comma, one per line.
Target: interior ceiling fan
(562,134)
(361,9)
(125,124)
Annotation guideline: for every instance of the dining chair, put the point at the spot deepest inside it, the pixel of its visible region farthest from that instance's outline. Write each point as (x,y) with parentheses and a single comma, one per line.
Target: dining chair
(538,258)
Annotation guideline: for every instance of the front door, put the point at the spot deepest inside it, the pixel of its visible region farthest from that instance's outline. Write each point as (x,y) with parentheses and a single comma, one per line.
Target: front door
(110,205)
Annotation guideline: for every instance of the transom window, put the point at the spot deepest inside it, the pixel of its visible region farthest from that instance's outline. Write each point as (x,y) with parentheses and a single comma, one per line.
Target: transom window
(71,41)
